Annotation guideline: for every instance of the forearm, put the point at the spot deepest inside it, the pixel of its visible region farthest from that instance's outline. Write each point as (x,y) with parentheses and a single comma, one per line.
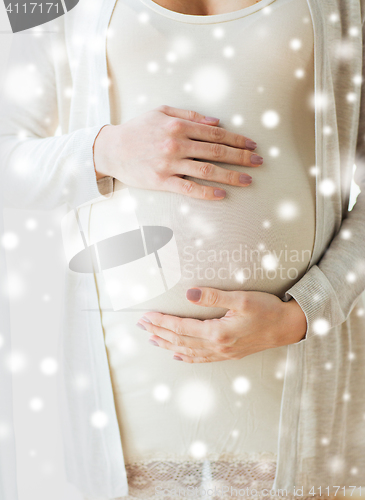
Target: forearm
(42,173)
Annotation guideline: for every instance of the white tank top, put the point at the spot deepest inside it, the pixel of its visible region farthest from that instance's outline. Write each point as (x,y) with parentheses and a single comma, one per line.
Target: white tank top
(254,69)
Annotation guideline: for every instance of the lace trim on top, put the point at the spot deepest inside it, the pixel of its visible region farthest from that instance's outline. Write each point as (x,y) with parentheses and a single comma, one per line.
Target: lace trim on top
(227,477)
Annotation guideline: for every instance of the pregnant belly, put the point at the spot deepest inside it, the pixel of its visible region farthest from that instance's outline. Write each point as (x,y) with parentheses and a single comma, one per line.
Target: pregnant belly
(258,238)
(255,239)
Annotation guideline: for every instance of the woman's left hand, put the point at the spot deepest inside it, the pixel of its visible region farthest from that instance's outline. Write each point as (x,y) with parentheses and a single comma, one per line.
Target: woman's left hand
(255,321)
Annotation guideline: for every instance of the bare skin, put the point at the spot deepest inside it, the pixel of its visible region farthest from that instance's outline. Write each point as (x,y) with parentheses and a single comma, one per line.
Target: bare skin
(205,7)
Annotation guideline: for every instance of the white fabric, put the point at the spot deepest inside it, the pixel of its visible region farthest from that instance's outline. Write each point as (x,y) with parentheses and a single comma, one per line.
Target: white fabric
(321,437)
(214,239)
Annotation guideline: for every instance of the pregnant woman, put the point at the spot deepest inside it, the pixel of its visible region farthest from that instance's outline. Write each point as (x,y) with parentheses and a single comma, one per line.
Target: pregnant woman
(196,411)
(235,126)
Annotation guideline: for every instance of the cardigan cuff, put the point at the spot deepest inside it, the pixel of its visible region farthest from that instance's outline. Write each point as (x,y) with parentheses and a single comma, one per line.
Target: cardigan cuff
(106,186)
(319,302)
(86,187)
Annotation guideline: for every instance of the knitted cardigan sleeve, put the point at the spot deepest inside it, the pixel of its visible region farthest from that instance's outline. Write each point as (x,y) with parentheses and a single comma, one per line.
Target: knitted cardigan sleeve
(329,290)
(40,170)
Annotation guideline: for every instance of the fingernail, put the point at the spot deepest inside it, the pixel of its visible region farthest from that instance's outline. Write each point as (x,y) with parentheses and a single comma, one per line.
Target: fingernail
(250,144)
(194,294)
(153,342)
(257,160)
(146,319)
(141,326)
(245,179)
(177,358)
(219,193)
(211,119)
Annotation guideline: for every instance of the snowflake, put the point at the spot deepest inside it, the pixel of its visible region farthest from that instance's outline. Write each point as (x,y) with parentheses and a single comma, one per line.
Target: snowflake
(184,209)
(270,119)
(16,362)
(351,277)
(321,326)
(10,240)
(334,17)
(68,92)
(161,392)
(327,130)
(295,44)
(336,464)
(152,67)
(327,187)
(288,210)
(36,404)
(171,56)
(105,82)
(228,51)
(198,449)
(48,366)
(99,419)
(195,398)
(237,120)
(351,97)
(274,152)
(357,79)
(143,17)
(182,46)
(218,32)
(4,431)
(141,99)
(210,83)
(269,262)
(31,224)
(241,385)
(354,31)
(345,234)
(299,73)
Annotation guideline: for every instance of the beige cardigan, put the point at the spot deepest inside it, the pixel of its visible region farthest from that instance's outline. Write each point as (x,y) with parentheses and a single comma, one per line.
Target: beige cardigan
(321,436)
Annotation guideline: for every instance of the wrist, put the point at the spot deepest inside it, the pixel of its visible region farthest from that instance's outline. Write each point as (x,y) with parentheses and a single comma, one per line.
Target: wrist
(99,153)
(295,323)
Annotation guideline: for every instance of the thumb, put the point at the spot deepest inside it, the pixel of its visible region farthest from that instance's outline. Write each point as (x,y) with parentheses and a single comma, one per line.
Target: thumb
(213,297)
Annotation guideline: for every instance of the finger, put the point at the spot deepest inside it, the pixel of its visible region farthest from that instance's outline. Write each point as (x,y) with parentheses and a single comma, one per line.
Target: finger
(219,135)
(236,300)
(187,114)
(178,340)
(222,153)
(202,329)
(209,171)
(177,184)
(197,359)
(165,344)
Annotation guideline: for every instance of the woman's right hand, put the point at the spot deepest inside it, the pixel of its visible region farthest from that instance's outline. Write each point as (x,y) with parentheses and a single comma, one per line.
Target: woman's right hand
(156,149)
